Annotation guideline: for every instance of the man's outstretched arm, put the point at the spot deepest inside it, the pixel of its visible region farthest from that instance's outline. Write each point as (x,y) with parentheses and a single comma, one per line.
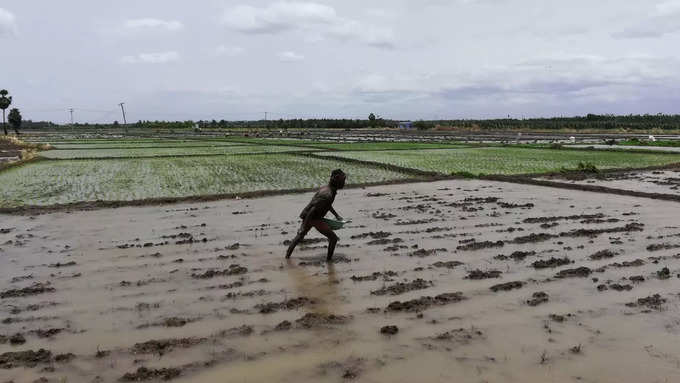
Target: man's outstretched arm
(335,213)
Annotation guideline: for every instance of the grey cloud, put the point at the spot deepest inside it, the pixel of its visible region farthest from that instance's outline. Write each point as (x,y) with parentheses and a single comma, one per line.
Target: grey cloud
(661,21)
(7,23)
(151,58)
(151,24)
(315,18)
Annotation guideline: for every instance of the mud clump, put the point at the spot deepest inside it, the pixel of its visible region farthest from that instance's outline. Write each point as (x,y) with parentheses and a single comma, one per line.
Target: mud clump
(291,304)
(563,218)
(384,241)
(619,287)
(652,302)
(386,275)
(314,320)
(461,335)
(389,330)
(28,358)
(507,286)
(579,272)
(401,288)
(602,254)
(349,369)
(664,273)
(283,326)
(373,235)
(59,264)
(662,246)
(538,298)
(424,303)
(551,263)
(17,339)
(244,330)
(144,373)
(520,255)
(35,289)
(636,263)
(509,205)
(164,346)
(232,270)
(533,238)
(422,253)
(480,245)
(634,226)
(447,265)
(479,274)
(47,333)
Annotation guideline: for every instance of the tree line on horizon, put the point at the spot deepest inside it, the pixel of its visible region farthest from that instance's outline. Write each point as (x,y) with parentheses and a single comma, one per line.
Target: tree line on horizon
(587,122)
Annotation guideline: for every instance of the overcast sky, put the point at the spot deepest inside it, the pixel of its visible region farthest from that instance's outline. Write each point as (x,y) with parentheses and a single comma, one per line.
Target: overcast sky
(401,59)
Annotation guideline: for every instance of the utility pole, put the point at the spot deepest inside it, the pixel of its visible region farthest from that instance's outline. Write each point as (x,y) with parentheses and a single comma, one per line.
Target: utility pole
(124,120)
(71,111)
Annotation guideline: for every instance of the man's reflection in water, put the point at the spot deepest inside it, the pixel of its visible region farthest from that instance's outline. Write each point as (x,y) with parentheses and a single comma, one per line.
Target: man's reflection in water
(314,286)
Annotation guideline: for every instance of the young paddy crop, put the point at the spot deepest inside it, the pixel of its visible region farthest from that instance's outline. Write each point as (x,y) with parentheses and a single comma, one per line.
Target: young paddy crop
(506,160)
(57,182)
(144,145)
(166,152)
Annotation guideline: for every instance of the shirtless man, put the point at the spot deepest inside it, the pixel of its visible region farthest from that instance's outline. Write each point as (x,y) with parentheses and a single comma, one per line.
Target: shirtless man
(312,215)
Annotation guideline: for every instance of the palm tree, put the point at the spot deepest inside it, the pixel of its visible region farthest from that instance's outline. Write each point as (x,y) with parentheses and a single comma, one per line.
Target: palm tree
(14,118)
(5,102)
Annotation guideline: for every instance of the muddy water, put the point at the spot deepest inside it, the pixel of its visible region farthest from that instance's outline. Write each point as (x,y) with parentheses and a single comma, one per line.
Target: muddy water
(120,293)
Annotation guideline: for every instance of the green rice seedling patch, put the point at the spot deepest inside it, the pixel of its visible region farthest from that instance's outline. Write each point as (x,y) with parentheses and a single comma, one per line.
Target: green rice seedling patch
(507,160)
(68,181)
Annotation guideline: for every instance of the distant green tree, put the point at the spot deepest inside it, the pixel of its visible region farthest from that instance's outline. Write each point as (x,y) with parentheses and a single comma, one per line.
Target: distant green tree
(5,102)
(14,118)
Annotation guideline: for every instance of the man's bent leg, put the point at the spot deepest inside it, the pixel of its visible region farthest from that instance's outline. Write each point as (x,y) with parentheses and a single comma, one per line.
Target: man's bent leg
(324,229)
(299,237)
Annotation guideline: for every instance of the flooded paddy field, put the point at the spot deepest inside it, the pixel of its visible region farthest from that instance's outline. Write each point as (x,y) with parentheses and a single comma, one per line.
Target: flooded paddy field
(441,281)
